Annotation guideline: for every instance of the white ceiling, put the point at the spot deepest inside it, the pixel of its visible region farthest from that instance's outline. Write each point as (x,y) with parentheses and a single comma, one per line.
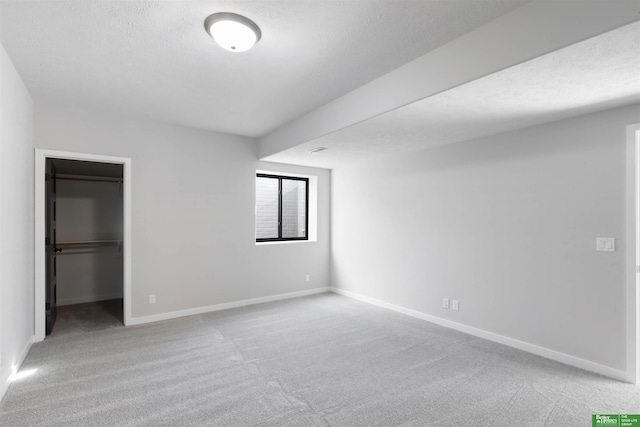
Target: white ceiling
(155,59)
(596,74)
(320,60)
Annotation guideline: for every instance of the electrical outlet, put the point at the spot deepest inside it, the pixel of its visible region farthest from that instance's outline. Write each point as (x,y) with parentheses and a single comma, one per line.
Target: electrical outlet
(308,278)
(605,244)
(455,305)
(152,299)
(445,302)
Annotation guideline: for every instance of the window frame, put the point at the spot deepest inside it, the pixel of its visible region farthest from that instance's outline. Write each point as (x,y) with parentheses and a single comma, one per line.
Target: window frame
(280,178)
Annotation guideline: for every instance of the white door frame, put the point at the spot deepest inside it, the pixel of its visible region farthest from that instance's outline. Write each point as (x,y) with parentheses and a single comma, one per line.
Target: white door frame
(39,231)
(633,253)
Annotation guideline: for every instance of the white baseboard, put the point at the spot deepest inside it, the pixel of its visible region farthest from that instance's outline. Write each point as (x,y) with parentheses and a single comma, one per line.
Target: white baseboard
(6,382)
(511,342)
(224,306)
(88,298)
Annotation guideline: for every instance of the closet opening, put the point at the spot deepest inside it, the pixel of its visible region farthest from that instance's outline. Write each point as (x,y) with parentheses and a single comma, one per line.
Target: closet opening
(47,290)
(84,232)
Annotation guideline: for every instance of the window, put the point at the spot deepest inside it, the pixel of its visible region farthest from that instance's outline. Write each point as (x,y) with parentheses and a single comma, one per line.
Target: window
(282,208)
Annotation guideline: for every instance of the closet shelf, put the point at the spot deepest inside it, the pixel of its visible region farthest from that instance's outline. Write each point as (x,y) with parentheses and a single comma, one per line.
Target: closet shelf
(88,178)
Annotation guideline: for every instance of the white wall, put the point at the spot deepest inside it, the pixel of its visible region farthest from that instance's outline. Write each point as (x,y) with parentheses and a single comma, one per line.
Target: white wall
(89,210)
(193,213)
(504,224)
(16,220)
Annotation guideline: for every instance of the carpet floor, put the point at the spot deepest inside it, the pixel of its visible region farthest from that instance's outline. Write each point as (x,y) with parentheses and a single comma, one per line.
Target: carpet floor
(88,317)
(323,360)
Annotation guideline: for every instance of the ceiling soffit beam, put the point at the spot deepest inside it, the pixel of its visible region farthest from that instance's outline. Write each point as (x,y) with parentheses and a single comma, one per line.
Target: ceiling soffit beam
(535,29)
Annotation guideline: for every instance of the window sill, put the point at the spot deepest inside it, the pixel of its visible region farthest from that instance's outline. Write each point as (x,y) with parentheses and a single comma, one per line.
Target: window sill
(286,242)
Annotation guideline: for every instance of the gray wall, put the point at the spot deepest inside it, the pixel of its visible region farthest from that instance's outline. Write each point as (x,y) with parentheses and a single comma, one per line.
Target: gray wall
(193,211)
(89,210)
(504,224)
(16,219)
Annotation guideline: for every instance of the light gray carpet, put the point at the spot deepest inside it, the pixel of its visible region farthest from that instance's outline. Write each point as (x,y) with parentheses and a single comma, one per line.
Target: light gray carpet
(88,317)
(323,360)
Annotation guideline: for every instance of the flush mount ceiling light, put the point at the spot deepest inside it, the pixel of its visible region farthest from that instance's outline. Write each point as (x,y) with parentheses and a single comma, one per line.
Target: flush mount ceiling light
(233,32)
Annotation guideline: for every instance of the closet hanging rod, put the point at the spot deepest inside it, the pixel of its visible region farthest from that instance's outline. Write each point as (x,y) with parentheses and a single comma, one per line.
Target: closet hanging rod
(88,243)
(88,178)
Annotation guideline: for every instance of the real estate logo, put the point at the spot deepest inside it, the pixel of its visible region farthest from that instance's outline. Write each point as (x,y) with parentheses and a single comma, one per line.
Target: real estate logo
(619,420)
(605,420)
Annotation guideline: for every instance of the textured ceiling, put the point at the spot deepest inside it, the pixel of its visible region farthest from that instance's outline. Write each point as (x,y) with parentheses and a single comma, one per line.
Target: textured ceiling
(599,73)
(154,58)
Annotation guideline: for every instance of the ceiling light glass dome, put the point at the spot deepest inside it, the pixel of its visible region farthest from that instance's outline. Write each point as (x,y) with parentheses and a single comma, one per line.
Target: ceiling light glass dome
(233,32)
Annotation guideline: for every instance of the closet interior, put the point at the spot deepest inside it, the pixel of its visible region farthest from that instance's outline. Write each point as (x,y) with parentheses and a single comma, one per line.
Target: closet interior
(89,233)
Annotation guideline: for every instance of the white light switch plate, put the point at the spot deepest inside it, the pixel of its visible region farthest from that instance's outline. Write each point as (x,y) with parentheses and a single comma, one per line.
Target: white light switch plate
(605,244)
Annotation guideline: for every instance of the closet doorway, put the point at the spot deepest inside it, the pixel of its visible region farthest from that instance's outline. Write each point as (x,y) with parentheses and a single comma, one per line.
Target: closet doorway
(82,242)
(84,239)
